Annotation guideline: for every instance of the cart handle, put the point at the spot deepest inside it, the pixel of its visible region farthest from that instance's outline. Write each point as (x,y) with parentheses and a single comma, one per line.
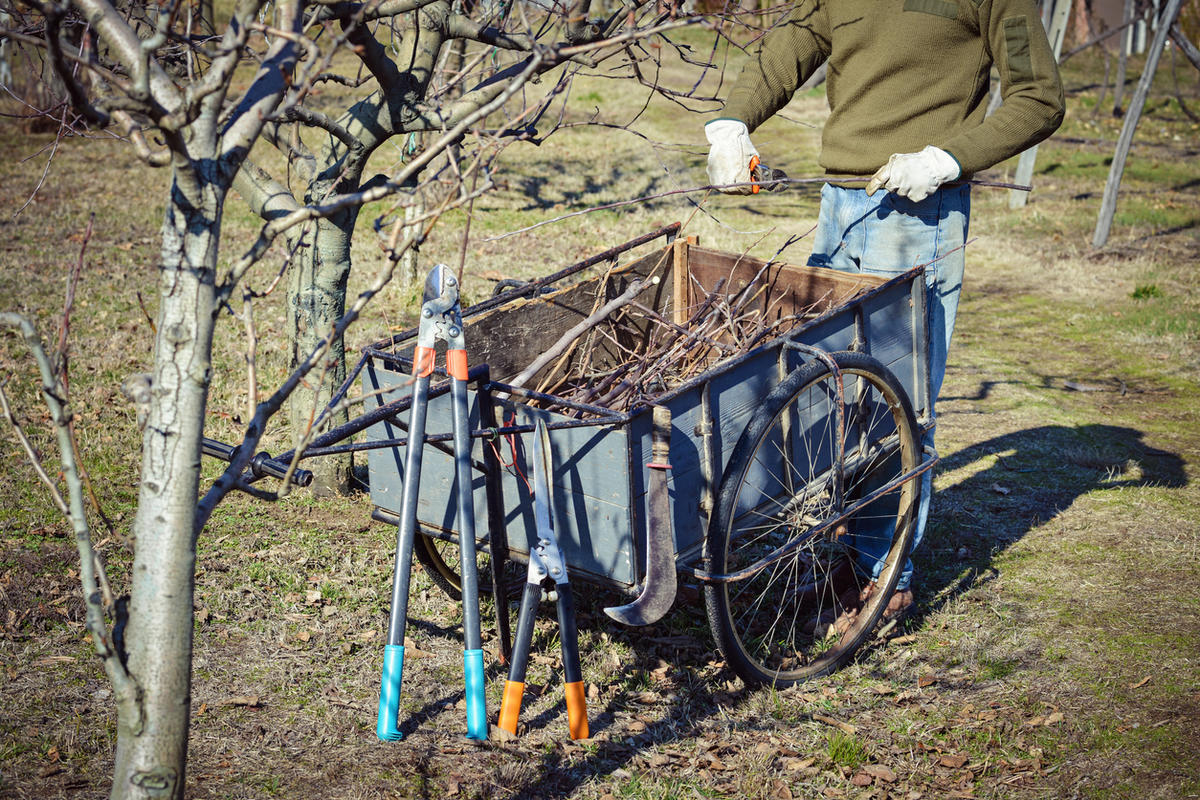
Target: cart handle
(261,465)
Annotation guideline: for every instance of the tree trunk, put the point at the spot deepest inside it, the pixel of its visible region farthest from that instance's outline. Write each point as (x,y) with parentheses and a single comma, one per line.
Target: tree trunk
(1122,59)
(151,747)
(1108,206)
(317,281)
(316,300)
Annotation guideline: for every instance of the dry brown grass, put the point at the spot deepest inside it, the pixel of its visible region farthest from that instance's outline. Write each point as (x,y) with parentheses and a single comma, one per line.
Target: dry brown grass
(1059,572)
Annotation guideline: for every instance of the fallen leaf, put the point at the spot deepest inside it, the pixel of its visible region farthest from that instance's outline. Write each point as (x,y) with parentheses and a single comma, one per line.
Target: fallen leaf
(451,788)
(304,636)
(797,764)
(247,700)
(203,707)
(927,679)
(647,698)
(1054,718)
(1140,683)
(954,760)
(998,489)
(861,779)
(780,790)
(498,734)
(844,727)
(881,772)
(637,726)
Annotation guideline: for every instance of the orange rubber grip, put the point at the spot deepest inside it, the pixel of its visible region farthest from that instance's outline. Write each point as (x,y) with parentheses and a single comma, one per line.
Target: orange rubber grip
(510,706)
(422,362)
(753,166)
(577,722)
(456,364)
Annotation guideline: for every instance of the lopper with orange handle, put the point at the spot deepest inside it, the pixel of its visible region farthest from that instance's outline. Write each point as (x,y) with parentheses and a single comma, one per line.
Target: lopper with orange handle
(547,570)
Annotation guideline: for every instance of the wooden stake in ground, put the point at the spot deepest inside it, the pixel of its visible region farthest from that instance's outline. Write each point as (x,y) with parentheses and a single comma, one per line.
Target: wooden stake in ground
(1024,176)
(1108,206)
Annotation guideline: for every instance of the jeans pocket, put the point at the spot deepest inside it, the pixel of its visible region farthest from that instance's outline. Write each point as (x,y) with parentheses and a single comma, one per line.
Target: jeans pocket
(900,235)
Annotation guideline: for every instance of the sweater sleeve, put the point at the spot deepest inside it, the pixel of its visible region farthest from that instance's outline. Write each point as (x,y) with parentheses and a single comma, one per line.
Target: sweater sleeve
(1030,88)
(787,56)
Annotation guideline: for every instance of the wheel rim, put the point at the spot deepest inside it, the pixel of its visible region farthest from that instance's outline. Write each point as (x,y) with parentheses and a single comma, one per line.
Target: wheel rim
(441,559)
(803,614)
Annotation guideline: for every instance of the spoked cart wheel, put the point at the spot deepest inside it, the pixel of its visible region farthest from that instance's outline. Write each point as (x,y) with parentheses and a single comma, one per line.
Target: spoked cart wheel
(800,607)
(441,560)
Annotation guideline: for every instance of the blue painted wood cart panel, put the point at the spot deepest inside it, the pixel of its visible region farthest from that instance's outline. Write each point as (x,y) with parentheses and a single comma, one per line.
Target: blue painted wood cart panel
(600,472)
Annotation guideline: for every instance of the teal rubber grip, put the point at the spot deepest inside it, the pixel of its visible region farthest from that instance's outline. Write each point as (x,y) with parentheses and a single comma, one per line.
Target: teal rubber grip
(387,728)
(477,725)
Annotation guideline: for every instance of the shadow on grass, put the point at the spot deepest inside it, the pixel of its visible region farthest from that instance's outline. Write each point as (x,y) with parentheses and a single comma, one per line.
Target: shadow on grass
(1034,475)
(1031,476)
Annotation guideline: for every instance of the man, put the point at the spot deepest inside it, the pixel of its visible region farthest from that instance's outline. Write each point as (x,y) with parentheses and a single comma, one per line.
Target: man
(907,86)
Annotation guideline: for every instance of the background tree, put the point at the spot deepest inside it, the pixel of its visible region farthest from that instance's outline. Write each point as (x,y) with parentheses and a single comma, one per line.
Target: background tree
(197,104)
(427,68)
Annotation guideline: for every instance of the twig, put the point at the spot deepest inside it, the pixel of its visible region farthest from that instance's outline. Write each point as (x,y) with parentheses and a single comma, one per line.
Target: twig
(765,184)
(634,289)
(125,686)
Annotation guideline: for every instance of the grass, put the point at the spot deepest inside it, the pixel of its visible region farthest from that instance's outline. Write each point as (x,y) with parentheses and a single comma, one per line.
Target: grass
(844,750)
(1059,569)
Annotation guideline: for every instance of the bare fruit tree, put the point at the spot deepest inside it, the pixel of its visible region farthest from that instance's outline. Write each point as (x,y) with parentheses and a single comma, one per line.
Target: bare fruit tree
(458,78)
(430,71)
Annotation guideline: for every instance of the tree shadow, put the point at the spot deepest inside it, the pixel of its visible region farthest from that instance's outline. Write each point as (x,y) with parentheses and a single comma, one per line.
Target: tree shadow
(1032,476)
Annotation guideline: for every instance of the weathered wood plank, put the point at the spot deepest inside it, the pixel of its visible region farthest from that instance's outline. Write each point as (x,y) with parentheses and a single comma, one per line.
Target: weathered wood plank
(511,336)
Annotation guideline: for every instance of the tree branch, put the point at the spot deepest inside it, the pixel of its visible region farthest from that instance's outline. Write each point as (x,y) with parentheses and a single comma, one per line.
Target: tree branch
(1189,49)
(264,95)
(127,47)
(462,27)
(125,686)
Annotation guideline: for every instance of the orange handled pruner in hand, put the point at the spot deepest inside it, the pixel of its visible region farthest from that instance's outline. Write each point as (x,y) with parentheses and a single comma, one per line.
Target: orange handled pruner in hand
(760,173)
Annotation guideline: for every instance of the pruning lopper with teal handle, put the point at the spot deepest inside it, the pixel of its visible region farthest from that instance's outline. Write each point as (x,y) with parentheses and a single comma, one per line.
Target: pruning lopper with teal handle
(441,319)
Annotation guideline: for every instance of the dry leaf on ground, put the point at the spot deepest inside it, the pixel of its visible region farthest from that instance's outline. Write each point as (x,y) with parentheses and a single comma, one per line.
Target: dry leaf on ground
(881,772)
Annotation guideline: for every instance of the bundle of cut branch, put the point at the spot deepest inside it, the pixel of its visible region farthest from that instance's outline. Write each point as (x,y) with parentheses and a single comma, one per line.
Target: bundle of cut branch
(626,354)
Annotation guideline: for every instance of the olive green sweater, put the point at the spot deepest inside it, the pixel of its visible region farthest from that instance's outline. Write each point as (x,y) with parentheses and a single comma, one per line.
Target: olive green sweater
(904,74)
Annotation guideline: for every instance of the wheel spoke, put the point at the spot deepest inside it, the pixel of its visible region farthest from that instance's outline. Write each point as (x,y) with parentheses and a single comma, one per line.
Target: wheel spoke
(800,614)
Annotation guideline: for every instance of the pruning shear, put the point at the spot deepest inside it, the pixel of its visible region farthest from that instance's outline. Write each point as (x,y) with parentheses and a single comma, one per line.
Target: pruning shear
(441,319)
(547,570)
(761,173)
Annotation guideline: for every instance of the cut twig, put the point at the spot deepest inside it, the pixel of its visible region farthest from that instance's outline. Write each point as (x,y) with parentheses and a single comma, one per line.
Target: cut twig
(625,298)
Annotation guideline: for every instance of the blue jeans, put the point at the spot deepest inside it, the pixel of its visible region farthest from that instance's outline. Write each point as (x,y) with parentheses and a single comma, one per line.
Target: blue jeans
(887,235)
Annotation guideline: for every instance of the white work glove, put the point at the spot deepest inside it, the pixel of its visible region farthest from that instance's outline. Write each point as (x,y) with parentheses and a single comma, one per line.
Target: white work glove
(729,155)
(915,175)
